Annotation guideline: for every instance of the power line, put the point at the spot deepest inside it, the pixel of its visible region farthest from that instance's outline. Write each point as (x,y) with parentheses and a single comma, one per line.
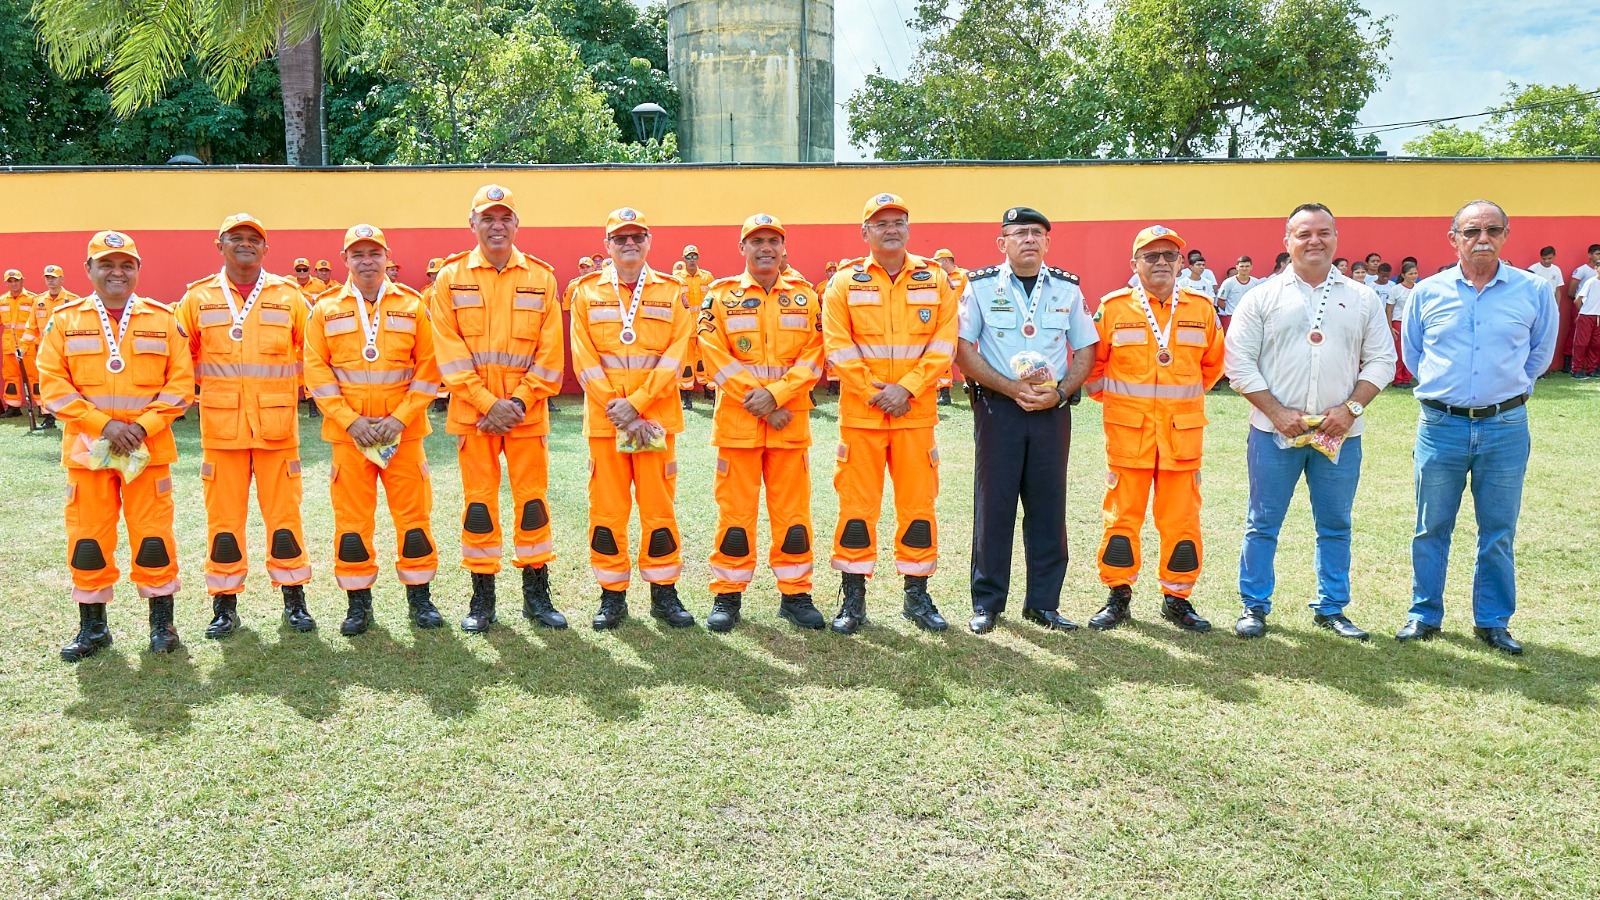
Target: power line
(878,24)
(1398,126)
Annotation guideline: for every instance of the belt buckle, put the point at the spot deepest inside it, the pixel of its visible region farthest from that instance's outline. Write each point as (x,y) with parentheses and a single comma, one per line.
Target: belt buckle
(1488,411)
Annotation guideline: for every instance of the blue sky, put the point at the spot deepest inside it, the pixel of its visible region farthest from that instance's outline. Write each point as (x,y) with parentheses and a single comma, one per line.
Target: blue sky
(1446,58)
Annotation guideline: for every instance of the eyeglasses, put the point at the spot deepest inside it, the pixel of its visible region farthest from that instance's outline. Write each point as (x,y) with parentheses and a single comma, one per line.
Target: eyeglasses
(1153,257)
(301,269)
(1474,233)
(1026,234)
(895,225)
(632,237)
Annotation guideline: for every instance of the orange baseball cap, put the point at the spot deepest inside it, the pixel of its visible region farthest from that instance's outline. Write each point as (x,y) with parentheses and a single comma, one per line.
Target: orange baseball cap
(13,273)
(302,261)
(242,220)
(760,221)
(106,243)
(324,264)
(881,202)
(626,217)
(944,253)
(359,233)
(493,195)
(1156,233)
(585,260)
(691,249)
(393,265)
(435,264)
(54,272)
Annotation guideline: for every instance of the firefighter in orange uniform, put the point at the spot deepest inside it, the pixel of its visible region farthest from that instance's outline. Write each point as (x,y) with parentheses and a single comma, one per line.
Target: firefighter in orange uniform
(309,284)
(245,330)
(585,266)
(1160,350)
(630,335)
(761,341)
(16,309)
(827,275)
(441,401)
(116,366)
(325,274)
(843,265)
(958,280)
(44,304)
(497,333)
(370,365)
(889,328)
(696,279)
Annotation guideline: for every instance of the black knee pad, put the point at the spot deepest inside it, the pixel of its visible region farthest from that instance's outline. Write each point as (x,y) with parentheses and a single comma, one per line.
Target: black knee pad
(602,541)
(919,534)
(351,549)
(1119,552)
(86,556)
(225,548)
(152,554)
(284,546)
(534,515)
(1185,558)
(477,520)
(797,540)
(661,543)
(734,543)
(856,536)
(416,544)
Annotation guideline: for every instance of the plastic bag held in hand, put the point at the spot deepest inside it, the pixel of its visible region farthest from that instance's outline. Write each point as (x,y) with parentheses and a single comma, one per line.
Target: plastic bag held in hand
(1323,443)
(382,453)
(655,439)
(97,454)
(1030,364)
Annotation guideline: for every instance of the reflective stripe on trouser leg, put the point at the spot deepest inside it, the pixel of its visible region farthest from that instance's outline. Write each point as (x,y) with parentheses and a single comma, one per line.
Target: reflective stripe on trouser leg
(148,509)
(409,490)
(354,487)
(610,504)
(225,486)
(1127,498)
(94,500)
(528,459)
(1177,513)
(858,480)
(786,473)
(737,490)
(914,468)
(481,542)
(278,492)
(655,483)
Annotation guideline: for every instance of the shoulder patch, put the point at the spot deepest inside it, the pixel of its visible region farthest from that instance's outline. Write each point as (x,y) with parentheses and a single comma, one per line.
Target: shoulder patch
(1063,274)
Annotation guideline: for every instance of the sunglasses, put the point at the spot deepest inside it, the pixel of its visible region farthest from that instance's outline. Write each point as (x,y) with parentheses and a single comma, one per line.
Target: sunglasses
(302,269)
(1163,256)
(638,237)
(1473,234)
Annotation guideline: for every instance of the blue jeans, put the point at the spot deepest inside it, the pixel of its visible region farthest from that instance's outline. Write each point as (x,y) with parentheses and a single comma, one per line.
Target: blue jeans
(1274,474)
(1494,451)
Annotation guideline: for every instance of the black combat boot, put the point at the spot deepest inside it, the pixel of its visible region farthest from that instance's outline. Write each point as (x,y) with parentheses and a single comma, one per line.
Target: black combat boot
(359,616)
(163,634)
(536,605)
(613,609)
(92,633)
(1115,612)
(295,614)
(419,597)
(480,612)
(853,610)
(944,396)
(688,399)
(919,606)
(724,612)
(800,611)
(665,605)
(225,616)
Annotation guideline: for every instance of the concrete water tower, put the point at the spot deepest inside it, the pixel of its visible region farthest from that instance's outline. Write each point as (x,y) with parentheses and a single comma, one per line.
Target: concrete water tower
(754,79)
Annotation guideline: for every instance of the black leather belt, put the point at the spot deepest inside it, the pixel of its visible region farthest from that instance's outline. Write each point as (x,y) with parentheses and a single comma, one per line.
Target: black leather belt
(1477,412)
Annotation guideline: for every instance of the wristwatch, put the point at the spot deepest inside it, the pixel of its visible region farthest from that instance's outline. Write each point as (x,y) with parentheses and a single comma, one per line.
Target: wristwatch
(1355,408)
(1065,398)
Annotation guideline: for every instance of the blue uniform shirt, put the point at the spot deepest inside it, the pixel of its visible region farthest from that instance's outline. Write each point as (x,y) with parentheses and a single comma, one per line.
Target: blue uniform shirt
(1472,349)
(994,308)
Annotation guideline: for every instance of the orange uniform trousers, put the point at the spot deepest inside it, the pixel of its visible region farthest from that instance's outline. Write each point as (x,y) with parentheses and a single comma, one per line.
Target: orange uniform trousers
(616,480)
(94,499)
(226,476)
(13,370)
(528,458)
(740,473)
(913,462)
(1177,509)
(409,491)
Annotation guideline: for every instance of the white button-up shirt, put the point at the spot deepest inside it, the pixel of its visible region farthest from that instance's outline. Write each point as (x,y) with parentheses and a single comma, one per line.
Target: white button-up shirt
(1269,347)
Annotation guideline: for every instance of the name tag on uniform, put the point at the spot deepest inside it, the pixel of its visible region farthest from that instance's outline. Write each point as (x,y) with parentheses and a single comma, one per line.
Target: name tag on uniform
(923,296)
(864,296)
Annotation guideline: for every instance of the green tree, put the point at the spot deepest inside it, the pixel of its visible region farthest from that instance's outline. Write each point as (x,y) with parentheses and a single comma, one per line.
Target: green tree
(625,50)
(1043,79)
(1534,120)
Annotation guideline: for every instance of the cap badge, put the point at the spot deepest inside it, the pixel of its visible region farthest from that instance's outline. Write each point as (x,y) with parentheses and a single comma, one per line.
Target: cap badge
(496,193)
(627,215)
(115,240)
(884,198)
(364,231)
(1158,230)
(763,219)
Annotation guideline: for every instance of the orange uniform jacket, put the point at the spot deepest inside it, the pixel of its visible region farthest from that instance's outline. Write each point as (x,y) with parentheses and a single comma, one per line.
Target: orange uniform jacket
(43,306)
(249,389)
(16,312)
(153,388)
(646,371)
(776,344)
(892,331)
(401,383)
(487,352)
(1155,415)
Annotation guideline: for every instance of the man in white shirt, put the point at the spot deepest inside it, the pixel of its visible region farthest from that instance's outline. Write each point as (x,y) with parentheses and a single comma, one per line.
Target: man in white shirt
(1579,276)
(1586,330)
(1197,277)
(1309,342)
(1547,269)
(1232,290)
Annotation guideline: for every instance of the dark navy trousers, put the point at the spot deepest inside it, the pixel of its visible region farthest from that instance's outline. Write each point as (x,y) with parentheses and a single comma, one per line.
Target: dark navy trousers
(1022,456)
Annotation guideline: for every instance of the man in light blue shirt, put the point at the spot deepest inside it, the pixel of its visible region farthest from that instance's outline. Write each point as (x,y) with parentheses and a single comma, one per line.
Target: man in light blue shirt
(1477,335)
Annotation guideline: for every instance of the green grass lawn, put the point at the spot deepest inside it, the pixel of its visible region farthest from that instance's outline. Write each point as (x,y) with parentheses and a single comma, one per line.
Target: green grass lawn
(649,762)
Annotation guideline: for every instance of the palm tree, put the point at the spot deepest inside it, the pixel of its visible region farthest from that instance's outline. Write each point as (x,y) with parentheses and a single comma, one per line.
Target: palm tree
(143,44)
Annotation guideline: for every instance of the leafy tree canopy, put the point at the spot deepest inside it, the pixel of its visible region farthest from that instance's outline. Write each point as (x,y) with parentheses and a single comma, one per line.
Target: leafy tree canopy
(1535,120)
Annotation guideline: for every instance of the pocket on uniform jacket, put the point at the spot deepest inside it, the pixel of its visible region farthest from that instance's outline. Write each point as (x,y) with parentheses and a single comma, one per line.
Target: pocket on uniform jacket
(219,415)
(1188,434)
(278,413)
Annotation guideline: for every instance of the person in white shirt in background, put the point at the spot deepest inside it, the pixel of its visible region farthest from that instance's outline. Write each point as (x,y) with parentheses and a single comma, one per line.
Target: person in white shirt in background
(1399,294)
(1358,273)
(1373,262)
(1197,277)
(1547,269)
(1382,283)
(1586,330)
(1579,276)
(1233,289)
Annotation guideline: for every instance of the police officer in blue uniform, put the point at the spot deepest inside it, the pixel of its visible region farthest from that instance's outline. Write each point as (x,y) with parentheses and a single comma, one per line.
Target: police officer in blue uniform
(1018,321)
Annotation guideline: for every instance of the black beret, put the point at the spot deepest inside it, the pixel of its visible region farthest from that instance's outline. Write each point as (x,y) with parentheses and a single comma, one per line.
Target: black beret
(1023,215)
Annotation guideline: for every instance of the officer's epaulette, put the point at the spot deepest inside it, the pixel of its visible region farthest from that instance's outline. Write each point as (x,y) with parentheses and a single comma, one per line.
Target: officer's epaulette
(1120,292)
(1062,274)
(194,284)
(592,276)
(675,279)
(283,279)
(540,263)
(69,304)
(731,279)
(164,307)
(405,289)
(459,254)
(985,272)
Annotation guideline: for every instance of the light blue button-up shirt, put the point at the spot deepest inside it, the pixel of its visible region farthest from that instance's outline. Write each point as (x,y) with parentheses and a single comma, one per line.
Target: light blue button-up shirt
(1477,349)
(994,307)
